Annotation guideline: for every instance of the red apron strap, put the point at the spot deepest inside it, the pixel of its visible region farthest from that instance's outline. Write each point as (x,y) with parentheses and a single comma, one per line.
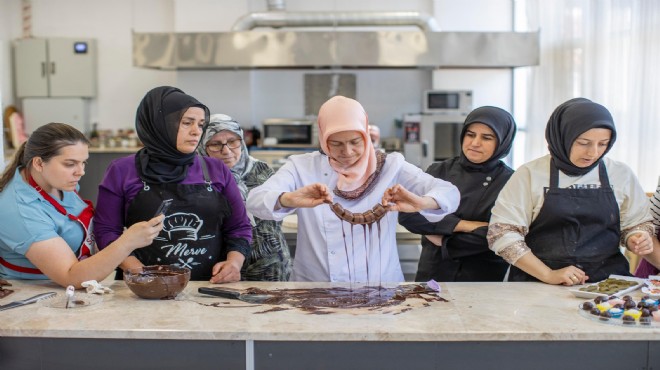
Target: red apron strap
(26,270)
(84,219)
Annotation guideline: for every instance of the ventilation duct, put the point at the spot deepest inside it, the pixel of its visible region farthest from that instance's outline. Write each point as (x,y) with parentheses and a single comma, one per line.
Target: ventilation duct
(277,19)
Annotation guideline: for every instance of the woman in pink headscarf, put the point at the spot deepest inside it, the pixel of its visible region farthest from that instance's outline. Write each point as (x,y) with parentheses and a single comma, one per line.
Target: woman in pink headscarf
(349,171)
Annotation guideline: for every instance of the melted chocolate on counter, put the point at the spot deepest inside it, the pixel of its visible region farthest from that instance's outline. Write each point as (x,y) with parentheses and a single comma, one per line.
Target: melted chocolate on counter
(5,292)
(318,300)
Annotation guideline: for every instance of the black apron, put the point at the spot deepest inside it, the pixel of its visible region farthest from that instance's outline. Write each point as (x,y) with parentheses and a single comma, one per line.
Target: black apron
(437,264)
(578,227)
(192,235)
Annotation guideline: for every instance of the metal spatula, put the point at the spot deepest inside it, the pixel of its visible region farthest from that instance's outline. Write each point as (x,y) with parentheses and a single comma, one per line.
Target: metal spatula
(235,294)
(30,300)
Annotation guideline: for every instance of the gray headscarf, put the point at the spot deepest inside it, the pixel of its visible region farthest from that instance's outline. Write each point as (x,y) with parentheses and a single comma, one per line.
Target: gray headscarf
(223,122)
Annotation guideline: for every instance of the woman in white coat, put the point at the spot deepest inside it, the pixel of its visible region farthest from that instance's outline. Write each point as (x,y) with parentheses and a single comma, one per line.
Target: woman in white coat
(329,249)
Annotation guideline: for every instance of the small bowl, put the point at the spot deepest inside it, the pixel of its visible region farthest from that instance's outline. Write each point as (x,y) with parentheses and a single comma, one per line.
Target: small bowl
(157,282)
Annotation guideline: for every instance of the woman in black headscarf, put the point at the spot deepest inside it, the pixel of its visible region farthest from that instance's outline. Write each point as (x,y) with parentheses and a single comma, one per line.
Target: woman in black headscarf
(561,218)
(206,227)
(455,249)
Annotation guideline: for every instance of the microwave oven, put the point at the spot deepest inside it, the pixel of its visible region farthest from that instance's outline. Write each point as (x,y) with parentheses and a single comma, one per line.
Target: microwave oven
(290,133)
(454,102)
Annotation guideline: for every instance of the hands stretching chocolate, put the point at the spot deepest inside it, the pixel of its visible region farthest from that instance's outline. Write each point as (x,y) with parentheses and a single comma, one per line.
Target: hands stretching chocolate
(365,218)
(396,198)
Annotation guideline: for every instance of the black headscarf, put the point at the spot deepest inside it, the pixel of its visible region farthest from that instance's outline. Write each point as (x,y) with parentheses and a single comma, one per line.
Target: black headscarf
(504,127)
(570,120)
(157,125)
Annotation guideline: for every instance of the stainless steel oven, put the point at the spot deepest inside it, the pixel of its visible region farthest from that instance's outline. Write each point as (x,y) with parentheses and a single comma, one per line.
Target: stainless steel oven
(431,138)
(434,135)
(290,133)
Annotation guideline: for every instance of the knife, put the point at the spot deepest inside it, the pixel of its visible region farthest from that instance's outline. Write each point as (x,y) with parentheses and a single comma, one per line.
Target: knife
(235,294)
(30,300)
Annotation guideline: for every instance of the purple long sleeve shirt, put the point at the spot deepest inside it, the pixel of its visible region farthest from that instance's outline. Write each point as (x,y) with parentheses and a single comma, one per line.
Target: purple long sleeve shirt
(121,184)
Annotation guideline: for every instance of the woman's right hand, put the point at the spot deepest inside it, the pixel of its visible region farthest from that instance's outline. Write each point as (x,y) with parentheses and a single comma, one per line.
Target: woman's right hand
(435,239)
(306,197)
(466,226)
(569,275)
(142,234)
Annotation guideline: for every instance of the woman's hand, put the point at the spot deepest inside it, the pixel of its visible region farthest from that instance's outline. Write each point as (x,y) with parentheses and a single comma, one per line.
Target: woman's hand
(570,275)
(640,244)
(306,197)
(142,233)
(228,271)
(465,226)
(398,198)
(435,239)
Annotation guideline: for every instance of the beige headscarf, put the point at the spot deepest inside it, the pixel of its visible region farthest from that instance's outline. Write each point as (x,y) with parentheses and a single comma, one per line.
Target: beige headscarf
(344,114)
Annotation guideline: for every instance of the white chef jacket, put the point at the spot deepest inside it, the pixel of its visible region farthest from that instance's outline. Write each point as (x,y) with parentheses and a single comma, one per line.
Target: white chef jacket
(321,251)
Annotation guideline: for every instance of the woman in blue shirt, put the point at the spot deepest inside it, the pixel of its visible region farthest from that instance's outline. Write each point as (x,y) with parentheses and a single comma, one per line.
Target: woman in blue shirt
(46,231)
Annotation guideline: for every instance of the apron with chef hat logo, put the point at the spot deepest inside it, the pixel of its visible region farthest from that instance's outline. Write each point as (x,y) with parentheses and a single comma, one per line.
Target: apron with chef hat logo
(578,227)
(84,219)
(192,229)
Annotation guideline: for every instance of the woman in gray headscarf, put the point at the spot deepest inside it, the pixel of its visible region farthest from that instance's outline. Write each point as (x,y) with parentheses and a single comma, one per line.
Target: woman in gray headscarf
(270,259)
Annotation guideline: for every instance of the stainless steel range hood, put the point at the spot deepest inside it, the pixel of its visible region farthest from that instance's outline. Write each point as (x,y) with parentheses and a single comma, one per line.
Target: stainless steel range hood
(245,48)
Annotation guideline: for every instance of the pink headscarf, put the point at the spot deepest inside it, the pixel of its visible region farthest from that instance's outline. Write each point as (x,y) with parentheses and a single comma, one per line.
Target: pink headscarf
(344,114)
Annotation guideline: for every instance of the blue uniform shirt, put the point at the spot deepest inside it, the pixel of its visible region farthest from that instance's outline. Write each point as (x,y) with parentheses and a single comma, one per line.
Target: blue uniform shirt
(28,218)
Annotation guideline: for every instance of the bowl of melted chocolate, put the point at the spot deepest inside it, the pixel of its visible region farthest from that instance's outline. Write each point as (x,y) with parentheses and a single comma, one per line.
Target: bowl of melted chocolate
(157,282)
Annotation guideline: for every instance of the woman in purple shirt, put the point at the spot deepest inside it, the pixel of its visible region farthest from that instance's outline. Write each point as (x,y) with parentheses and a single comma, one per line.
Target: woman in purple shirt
(206,228)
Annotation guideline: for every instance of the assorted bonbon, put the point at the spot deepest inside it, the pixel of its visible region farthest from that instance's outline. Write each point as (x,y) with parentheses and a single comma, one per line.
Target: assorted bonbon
(623,311)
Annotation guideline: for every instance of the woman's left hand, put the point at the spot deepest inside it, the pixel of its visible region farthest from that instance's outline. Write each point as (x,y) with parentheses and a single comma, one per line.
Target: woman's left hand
(226,272)
(640,243)
(398,198)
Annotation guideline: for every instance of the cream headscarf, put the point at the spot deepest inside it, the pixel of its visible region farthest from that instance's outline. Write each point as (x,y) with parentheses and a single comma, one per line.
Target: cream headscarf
(344,114)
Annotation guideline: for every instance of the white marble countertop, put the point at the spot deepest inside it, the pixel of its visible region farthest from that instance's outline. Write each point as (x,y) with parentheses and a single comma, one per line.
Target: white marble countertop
(474,312)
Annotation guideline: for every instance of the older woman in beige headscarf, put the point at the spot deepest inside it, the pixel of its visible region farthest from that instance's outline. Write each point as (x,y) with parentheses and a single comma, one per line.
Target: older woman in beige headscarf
(350,172)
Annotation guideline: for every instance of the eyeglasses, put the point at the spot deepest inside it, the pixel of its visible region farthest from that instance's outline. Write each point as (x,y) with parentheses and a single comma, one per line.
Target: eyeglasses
(217,146)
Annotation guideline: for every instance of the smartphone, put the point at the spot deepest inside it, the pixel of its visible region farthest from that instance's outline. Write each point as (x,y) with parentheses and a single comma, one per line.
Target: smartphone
(164,206)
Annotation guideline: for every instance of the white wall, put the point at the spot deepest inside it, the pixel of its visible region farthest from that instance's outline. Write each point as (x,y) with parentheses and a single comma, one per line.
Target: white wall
(490,86)
(120,85)
(8,23)
(250,96)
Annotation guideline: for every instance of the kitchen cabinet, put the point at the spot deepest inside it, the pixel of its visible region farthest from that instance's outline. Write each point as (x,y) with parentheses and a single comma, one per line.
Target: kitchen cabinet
(55,67)
(98,162)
